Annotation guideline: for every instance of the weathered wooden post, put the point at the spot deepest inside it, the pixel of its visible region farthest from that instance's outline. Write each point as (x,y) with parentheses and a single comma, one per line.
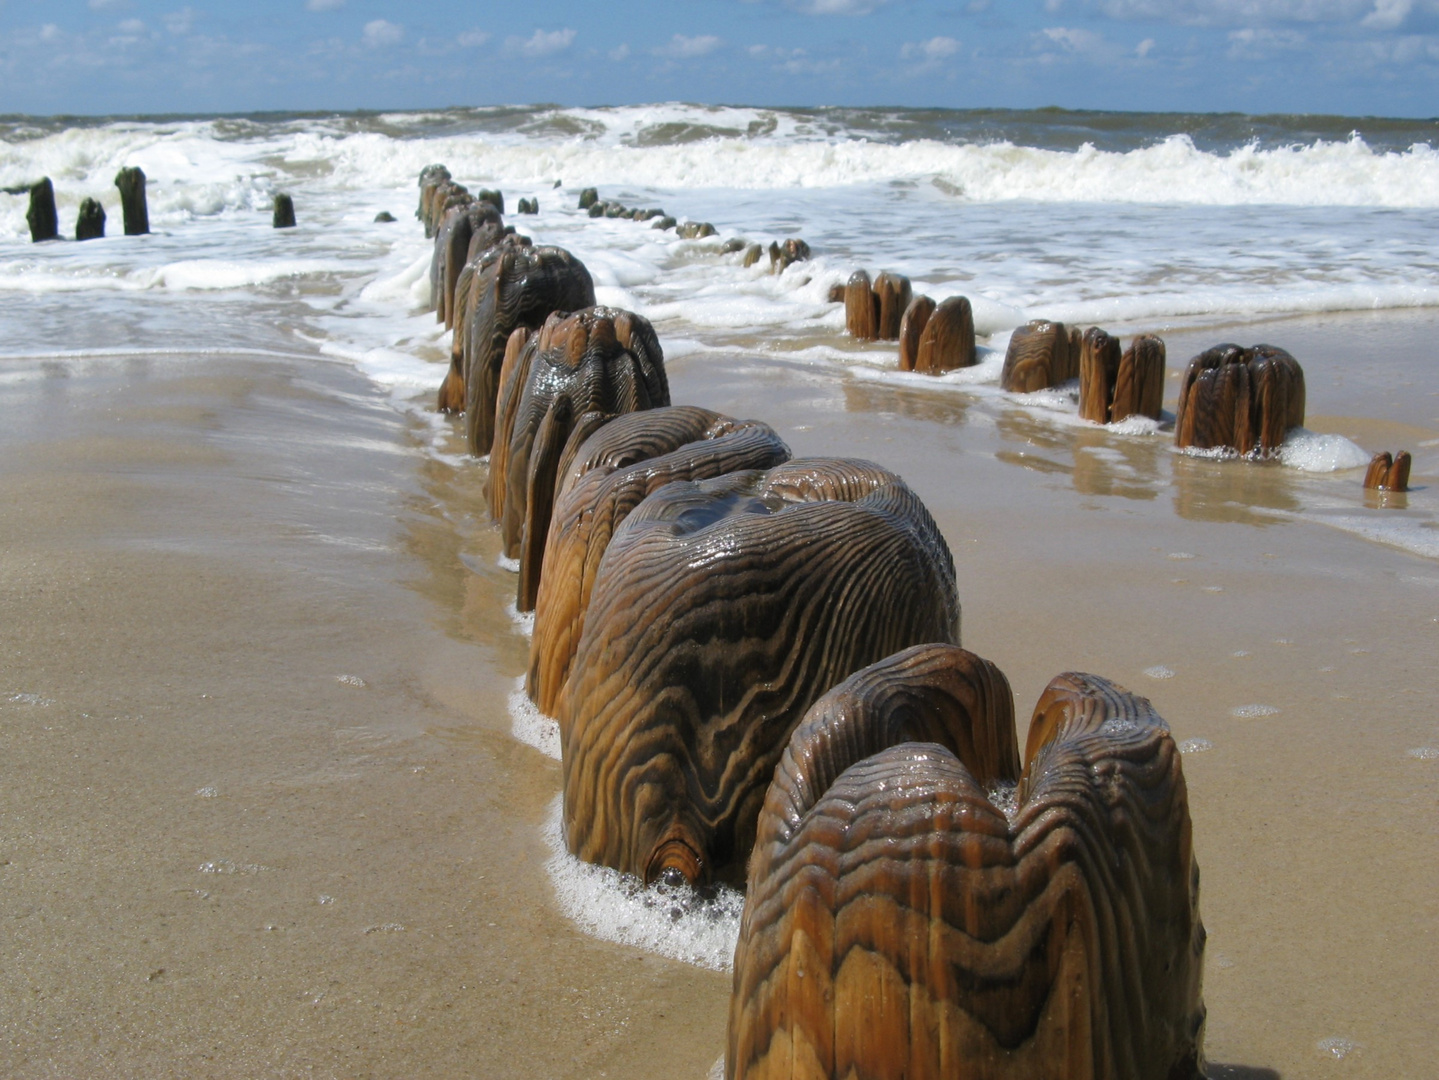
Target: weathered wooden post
(131,182)
(284,211)
(90,225)
(44,222)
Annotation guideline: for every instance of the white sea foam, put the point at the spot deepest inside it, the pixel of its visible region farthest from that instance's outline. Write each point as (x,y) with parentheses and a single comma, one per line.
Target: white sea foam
(530,726)
(1253,712)
(679,923)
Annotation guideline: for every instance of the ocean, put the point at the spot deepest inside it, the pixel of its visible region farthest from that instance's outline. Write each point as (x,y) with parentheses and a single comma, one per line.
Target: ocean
(298,370)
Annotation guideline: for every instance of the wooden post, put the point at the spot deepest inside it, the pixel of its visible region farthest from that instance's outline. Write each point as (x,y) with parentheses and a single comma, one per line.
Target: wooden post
(90,225)
(284,211)
(131,182)
(44,222)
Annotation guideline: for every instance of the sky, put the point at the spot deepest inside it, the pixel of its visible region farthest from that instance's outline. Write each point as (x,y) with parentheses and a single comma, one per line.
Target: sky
(1346,57)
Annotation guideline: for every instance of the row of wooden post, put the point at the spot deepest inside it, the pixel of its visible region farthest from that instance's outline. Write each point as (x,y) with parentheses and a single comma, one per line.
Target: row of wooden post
(44,219)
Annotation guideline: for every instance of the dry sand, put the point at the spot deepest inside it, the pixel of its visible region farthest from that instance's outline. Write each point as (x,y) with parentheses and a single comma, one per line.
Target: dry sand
(261,814)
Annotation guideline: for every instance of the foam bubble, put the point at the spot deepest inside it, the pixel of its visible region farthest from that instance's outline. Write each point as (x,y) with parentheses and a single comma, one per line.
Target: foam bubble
(530,726)
(351,680)
(1304,450)
(1195,746)
(524,620)
(1159,671)
(679,923)
(504,562)
(1425,753)
(1338,1047)
(208,792)
(1253,712)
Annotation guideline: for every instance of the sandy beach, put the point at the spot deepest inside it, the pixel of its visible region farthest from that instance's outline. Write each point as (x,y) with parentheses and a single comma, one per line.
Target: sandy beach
(261,811)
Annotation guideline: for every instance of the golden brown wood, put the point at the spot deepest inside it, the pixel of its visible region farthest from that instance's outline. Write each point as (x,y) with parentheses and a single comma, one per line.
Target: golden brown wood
(513,286)
(893,293)
(514,375)
(1099,360)
(861,307)
(948,338)
(911,913)
(614,470)
(1041,354)
(722,610)
(1377,475)
(911,326)
(1242,399)
(1140,385)
(600,360)
(1398,479)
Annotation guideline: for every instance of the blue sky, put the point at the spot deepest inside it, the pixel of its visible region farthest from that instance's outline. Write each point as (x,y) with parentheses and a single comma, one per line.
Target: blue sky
(1351,57)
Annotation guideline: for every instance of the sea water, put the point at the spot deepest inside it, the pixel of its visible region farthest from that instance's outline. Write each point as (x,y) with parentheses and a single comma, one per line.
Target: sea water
(1138,223)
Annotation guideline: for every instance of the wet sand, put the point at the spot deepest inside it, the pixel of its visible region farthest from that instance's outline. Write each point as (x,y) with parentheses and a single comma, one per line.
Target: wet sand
(261,813)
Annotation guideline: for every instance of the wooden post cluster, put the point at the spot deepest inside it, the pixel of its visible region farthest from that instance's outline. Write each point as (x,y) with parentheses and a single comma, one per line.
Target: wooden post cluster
(1241,399)
(90,224)
(1388,472)
(935,339)
(904,919)
(1114,386)
(700,600)
(873,310)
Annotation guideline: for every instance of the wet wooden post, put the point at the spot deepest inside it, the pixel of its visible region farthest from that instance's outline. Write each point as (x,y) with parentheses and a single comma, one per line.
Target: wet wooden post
(284,211)
(131,182)
(43,220)
(90,225)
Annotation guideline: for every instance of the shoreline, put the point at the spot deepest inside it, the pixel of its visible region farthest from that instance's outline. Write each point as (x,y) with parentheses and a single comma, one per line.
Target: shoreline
(204,553)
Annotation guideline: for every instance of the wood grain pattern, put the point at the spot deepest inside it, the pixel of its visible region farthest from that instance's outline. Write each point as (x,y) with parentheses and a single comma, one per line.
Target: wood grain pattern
(452,390)
(614,471)
(1388,472)
(911,326)
(1041,354)
(721,610)
(597,360)
(1099,358)
(861,307)
(1243,399)
(477,223)
(513,286)
(1139,388)
(893,293)
(947,341)
(899,923)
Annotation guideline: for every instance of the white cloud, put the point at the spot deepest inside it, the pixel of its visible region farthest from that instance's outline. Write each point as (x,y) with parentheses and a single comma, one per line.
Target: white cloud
(835,7)
(1074,40)
(179,22)
(1253,43)
(542,42)
(620,52)
(49,32)
(324,5)
(1388,14)
(680,47)
(473,39)
(1376,13)
(381,32)
(1144,48)
(106,5)
(131,26)
(933,50)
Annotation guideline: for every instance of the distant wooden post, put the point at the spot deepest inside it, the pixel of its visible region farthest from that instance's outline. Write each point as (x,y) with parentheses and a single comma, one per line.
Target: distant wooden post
(90,225)
(284,211)
(131,182)
(44,222)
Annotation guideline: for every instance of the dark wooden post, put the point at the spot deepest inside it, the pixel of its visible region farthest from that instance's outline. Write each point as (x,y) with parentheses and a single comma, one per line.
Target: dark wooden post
(44,222)
(90,225)
(284,211)
(131,182)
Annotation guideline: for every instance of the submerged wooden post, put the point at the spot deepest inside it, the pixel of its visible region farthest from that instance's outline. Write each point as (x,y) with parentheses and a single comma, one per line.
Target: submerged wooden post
(90,225)
(1388,473)
(131,182)
(284,211)
(44,222)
